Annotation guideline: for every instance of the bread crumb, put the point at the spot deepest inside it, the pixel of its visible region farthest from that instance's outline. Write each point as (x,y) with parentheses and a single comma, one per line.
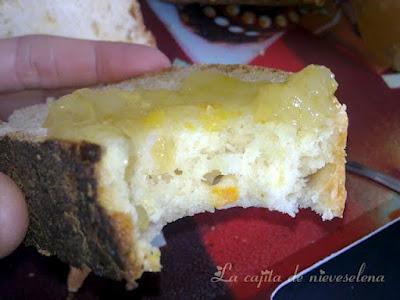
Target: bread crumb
(44,252)
(131,285)
(76,277)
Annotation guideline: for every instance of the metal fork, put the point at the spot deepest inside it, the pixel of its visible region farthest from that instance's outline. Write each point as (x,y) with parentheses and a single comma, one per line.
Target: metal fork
(386,180)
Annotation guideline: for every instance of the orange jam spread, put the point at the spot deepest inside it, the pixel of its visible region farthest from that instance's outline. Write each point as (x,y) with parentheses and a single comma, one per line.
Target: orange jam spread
(225,195)
(204,100)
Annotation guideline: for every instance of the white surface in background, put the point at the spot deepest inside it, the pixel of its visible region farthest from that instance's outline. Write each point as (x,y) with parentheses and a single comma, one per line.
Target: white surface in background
(199,49)
(392,80)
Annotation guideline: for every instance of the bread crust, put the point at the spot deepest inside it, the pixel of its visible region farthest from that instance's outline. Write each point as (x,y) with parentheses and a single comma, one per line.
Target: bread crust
(329,182)
(60,181)
(146,34)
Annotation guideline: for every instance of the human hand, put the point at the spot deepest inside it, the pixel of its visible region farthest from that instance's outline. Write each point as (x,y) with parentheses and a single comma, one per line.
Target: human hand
(43,64)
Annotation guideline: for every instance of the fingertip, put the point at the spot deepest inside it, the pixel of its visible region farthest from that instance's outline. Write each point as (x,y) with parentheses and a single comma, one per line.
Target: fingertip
(160,59)
(164,60)
(119,61)
(13,216)
(142,59)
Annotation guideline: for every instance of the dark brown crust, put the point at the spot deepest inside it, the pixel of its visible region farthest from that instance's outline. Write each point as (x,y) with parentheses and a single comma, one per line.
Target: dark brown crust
(252,2)
(59,182)
(137,15)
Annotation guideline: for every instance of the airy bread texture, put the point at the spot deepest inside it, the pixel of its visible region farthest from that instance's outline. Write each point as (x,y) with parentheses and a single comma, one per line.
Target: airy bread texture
(86,19)
(245,164)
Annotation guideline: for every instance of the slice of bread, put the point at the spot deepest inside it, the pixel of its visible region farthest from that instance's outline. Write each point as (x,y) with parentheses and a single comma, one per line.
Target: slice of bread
(98,199)
(85,19)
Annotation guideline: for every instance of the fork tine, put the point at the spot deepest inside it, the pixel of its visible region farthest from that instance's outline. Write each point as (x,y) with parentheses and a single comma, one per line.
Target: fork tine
(383,179)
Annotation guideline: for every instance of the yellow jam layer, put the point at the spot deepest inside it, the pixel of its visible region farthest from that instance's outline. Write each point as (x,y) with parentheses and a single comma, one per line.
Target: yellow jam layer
(205,100)
(305,100)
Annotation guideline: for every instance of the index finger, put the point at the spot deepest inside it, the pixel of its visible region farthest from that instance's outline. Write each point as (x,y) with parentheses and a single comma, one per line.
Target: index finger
(40,61)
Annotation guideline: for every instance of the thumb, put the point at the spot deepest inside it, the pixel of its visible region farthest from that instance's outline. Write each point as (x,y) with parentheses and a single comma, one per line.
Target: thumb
(13,216)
